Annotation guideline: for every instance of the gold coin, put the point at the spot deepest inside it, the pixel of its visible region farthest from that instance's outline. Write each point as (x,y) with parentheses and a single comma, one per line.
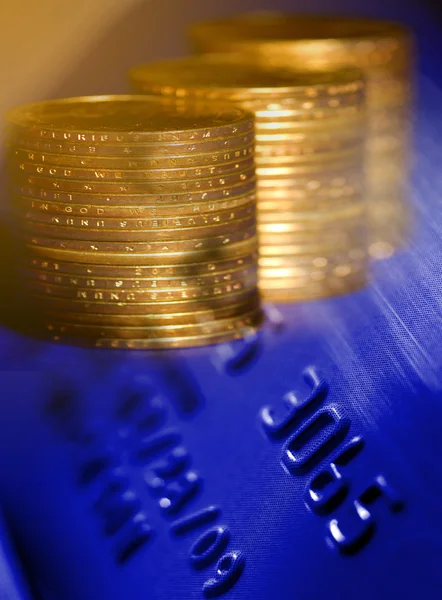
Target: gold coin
(130,258)
(309,294)
(343,234)
(313,244)
(280,222)
(287,121)
(163,343)
(384,119)
(301,202)
(282,116)
(283,158)
(307,146)
(193,236)
(336,123)
(158,283)
(304,195)
(153,151)
(325,223)
(274,188)
(223,264)
(289,198)
(315,279)
(391,92)
(142,320)
(126,120)
(26,204)
(323,118)
(339,176)
(314,290)
(59,222)
(215,76)
(306,154)
(310,247)
(96,306)
(312,161)
(307,190)
(133,187)
(310,116)
(308,41)
(190,163)
(152,178)
(317,259)
(140,295)
(123,198)
(114,251)
(341,274)
(298,273)
(302,187)
(155,332)
(392,146)
(315,108)
(202,174)
(269,211)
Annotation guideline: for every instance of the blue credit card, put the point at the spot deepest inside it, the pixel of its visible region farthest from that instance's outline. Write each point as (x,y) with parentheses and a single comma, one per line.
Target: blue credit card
(302,462)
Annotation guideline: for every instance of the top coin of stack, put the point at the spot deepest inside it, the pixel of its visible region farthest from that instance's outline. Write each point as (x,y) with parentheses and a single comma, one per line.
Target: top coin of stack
(384,50)
(310,136)
(136,219)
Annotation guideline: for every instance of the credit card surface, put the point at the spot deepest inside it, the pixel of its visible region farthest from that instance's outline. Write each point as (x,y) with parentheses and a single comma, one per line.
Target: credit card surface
(302,462)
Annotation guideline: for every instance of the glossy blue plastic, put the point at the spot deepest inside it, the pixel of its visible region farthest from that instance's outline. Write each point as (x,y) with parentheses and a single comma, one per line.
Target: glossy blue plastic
(303,462)
(13,585)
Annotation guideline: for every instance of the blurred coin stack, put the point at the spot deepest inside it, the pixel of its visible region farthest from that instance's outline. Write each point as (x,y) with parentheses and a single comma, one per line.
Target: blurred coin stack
(384,50)
(136,219)
(310,136)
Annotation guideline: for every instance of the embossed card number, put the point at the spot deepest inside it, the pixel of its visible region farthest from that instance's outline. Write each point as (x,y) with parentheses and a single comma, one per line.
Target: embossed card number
(313,433)
(143,439)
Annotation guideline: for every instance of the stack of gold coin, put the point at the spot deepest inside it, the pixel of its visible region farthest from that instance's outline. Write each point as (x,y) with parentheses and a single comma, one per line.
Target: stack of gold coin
(310,137)
(136,219)
(384,50)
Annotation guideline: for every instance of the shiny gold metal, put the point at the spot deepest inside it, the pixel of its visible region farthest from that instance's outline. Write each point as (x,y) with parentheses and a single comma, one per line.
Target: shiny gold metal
(121,196)
(307,162)
(298,273)
(132,187)
(142,320)
(310,135)
(222,264)
(152,175)
(141,241)
(135,219)
(122,308)
(210,76)
(317,259)
(122,120)
(156,332)
(383,50)
(164,152)
(134,259)
(326,220)
(312,289)
(137,296)
(309,41)
(24,204)
(157,283)
(59,222)
(153,344)
(311,247)
(191,161)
